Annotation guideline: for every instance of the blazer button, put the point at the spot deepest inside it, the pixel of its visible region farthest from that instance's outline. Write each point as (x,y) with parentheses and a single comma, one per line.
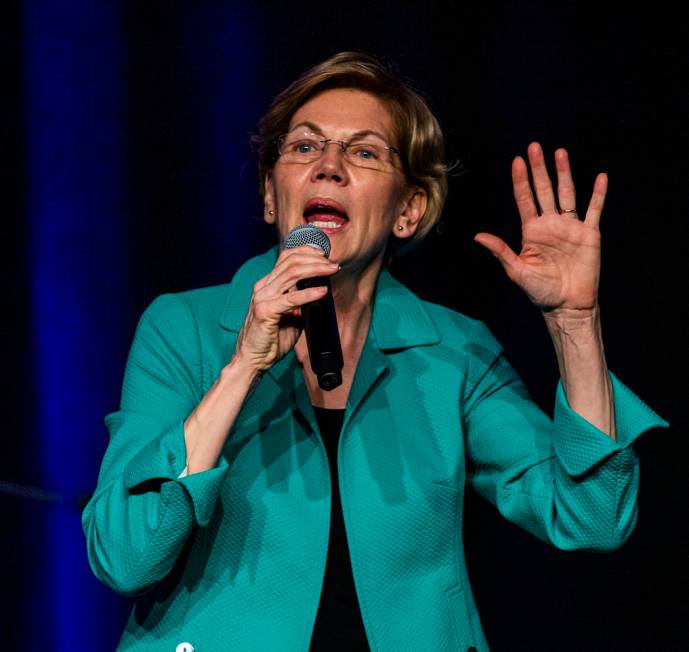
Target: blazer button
(472,649)
(184,647)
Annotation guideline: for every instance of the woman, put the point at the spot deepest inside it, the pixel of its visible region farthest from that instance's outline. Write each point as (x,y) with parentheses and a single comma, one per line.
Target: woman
(215,504)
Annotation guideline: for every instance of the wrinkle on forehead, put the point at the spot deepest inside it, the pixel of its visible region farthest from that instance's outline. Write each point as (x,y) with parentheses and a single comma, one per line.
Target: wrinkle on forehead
(314,128)
(344,112)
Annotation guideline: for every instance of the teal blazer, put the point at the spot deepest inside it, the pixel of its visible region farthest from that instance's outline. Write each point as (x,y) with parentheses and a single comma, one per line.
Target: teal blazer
(233,558)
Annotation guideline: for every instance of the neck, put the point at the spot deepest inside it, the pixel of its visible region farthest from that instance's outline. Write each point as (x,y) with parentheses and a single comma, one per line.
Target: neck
(353,291)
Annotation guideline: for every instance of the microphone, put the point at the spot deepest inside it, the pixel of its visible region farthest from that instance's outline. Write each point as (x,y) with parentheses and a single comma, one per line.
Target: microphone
(320,320)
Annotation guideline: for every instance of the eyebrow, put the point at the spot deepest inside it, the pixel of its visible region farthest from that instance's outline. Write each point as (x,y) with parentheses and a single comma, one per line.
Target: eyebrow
(357,134)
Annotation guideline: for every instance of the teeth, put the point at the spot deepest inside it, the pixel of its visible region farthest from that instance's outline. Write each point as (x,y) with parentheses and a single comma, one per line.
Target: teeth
(326,225)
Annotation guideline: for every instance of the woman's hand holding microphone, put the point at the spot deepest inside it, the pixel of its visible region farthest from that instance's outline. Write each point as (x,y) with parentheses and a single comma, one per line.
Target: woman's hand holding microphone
(271,328)
(273,321)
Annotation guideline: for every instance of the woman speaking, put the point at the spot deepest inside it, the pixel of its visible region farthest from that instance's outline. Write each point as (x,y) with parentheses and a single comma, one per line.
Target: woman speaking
(247,508)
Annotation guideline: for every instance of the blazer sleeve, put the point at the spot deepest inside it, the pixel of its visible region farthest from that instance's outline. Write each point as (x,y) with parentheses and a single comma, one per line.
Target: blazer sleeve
(142,512)
(563,480)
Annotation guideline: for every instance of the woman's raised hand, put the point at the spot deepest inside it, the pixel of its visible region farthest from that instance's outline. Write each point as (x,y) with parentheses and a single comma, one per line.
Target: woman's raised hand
(273,321)
(559,263)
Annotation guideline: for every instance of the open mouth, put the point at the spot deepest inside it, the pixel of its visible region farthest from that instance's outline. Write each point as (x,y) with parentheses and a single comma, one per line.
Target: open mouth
(325,214)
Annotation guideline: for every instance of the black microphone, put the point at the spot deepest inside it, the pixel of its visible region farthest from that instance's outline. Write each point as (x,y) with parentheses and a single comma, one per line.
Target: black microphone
(320,320)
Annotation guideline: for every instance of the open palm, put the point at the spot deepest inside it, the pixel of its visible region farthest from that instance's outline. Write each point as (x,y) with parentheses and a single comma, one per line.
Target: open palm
(559,263)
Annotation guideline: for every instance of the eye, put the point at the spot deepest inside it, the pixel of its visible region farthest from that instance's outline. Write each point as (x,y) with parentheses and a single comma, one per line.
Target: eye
(365,151)
(304,146)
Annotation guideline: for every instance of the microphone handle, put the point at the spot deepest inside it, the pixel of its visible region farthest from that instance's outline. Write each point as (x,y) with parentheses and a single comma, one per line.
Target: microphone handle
(322,335)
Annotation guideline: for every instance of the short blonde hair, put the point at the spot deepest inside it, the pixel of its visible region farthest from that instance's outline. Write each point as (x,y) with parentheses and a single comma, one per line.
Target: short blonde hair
(419,138)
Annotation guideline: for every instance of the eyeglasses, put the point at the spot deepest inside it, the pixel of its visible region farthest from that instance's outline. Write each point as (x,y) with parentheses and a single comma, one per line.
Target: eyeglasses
(369,151)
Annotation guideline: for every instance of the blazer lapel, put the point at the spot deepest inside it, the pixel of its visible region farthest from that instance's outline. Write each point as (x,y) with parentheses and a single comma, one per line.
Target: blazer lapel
(399,321)
(373,364)
(289,378)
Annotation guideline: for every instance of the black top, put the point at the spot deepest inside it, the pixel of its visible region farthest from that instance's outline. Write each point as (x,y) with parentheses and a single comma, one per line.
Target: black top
(338,621)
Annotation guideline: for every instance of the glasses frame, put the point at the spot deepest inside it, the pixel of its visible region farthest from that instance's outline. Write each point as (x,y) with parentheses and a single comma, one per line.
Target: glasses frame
(344,145)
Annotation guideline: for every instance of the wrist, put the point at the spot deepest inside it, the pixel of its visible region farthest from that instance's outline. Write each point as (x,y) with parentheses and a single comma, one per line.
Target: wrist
(573,320)
(578,339)
(240,372)
(242,366)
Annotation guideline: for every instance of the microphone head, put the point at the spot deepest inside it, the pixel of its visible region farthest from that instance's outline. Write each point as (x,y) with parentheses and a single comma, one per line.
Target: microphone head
(306,234)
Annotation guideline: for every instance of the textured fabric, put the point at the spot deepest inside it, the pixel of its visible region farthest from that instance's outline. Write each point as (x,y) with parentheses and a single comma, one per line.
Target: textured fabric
(233,558)
(338,620)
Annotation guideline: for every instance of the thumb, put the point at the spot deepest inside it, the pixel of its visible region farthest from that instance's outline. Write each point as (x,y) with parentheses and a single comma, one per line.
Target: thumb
(501,250)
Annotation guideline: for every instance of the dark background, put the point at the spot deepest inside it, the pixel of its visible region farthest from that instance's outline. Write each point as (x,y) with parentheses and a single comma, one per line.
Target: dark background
(126,126)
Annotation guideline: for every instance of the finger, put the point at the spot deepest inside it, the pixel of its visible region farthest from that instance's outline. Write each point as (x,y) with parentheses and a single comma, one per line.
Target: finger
(541,179)
(298,271)
(600,189)
(566,193)
(304,252)
(269,309)
(501,251)
(298,298)
(522,190)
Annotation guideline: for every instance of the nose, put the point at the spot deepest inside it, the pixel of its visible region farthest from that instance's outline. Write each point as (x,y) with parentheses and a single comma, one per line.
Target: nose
(330,164)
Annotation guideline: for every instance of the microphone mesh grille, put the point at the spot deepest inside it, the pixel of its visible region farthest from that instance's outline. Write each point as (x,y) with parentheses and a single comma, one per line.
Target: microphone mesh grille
(306,234)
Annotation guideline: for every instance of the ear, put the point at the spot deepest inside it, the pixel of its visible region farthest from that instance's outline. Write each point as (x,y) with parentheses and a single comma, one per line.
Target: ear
(413,209)
(268,200)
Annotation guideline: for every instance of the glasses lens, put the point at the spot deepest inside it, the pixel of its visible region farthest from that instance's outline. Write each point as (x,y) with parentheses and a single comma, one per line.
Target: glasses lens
(299,146)
(368,154)
(304,147)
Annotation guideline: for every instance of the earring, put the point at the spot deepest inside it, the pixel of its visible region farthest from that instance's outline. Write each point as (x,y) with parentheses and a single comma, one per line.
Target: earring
(271,212)
(400,228)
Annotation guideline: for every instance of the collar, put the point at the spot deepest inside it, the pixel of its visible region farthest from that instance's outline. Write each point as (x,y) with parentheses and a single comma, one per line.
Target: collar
(400,319)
